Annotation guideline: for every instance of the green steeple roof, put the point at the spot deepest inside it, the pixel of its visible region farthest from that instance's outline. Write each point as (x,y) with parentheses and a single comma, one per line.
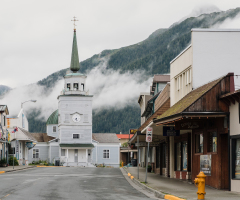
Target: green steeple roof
(53,119)
(75,66)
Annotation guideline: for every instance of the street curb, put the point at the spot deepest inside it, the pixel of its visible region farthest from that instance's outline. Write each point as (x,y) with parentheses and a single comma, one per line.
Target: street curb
(156,193)
(49,166)
(19,169)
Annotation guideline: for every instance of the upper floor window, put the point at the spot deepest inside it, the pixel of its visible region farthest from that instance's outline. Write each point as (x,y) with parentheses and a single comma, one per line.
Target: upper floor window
(68,86)
(75,86)
(76,136)
(54,129)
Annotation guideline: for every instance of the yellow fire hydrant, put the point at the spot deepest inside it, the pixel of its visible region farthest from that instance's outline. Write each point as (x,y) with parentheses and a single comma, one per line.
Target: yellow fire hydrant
(200,184)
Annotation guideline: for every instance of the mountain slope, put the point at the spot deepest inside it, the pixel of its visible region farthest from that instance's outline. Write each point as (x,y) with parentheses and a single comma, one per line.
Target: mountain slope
(152,55)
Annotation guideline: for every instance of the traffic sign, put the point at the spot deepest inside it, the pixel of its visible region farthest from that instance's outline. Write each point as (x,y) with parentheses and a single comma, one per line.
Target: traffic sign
(149,134)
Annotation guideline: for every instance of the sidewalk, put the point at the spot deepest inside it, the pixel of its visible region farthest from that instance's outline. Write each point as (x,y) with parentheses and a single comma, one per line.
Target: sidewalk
(180,188)
(16,168)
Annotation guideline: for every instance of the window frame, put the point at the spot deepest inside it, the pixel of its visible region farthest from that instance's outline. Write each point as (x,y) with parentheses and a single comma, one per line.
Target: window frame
(233,155)
(106,153)
(55,129)
(36,153)
(208,143)
(198,133)
(79,136)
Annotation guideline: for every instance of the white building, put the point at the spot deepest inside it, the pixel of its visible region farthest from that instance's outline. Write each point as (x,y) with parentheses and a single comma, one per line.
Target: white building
(3,132)
(71,126)
(21,139)
(211,54)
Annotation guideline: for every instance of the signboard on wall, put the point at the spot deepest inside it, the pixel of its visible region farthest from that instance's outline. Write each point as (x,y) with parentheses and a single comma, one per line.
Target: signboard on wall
(188,125)
(205,164)
(170,131)
(145,144)
(149,134)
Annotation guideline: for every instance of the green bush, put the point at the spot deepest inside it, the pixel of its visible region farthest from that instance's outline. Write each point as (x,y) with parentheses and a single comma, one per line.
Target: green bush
(11,161)
(3,161)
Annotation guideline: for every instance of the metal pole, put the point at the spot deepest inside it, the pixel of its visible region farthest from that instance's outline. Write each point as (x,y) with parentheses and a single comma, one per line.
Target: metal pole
(138,155)
(128,147)
(13,161)
(147,163)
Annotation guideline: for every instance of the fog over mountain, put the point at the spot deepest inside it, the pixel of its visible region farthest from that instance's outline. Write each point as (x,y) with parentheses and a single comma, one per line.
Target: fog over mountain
(116,77)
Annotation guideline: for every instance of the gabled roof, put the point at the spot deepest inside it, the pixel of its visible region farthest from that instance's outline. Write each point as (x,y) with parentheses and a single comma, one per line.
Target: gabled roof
(105,137)
(189,99)
(42,137)
(29,135)
(53,118)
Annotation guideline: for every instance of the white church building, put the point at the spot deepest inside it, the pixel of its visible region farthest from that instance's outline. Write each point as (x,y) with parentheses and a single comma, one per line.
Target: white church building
(69,139)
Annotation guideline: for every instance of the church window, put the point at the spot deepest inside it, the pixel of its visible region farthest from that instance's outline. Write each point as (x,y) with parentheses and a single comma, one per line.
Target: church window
(82,85)
(62,152)
(106,153)
(75,86)
(68,86)
(75,136)
(54,129)
(35,153)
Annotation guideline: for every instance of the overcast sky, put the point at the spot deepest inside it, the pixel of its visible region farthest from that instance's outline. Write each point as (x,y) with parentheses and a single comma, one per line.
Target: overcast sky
(36,36)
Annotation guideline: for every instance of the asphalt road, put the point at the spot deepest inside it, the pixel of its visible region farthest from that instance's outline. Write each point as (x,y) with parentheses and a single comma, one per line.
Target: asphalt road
(67,183)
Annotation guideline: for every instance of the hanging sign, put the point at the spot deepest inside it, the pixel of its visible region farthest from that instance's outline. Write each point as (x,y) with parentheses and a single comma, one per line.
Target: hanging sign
(170,131)
(149,134)
(29,145)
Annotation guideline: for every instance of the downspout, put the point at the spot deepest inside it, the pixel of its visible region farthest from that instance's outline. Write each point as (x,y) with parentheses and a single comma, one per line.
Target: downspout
(229,154)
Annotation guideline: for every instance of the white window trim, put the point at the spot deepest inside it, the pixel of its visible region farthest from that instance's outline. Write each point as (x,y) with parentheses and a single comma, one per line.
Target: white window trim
(108,153)
(35,153)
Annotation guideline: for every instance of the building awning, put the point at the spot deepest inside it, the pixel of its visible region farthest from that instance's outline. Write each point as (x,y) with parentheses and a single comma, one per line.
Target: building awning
(77,145)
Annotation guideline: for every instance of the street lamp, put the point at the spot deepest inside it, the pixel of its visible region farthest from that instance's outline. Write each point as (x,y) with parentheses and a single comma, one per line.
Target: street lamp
(34,101)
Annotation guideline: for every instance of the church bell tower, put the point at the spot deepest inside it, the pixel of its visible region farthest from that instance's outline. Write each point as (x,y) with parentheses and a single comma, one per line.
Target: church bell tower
(75,115)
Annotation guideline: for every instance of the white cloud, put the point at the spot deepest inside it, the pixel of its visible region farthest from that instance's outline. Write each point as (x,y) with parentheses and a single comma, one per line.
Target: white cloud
(36,36)
(110,89)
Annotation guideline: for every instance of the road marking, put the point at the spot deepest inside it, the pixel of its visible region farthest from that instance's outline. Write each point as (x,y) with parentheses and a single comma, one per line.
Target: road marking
(6,195)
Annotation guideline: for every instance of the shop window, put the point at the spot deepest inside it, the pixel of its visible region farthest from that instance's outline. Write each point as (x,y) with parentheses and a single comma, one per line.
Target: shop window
(164,155)
(178,156)
(236,158)
(239,112)
(184,156)
(157,157)
(212,142)
(199,143)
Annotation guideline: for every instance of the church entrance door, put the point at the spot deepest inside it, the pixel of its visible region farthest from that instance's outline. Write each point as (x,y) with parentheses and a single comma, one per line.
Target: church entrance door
(76,155)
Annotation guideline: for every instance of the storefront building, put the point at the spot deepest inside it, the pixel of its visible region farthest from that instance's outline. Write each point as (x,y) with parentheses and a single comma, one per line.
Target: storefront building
(202,144)
(233,101)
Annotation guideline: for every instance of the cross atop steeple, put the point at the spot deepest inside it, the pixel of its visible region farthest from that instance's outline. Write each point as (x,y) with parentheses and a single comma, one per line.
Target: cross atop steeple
(74,20)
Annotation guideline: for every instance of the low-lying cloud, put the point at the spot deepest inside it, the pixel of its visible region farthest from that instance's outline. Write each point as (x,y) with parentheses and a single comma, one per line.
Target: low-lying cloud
(110,89)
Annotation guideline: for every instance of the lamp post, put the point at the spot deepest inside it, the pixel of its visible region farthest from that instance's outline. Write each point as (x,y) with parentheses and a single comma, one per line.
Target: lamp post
(34,101)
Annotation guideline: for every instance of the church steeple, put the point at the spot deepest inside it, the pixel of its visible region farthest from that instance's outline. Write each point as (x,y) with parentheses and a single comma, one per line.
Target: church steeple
(75,66)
